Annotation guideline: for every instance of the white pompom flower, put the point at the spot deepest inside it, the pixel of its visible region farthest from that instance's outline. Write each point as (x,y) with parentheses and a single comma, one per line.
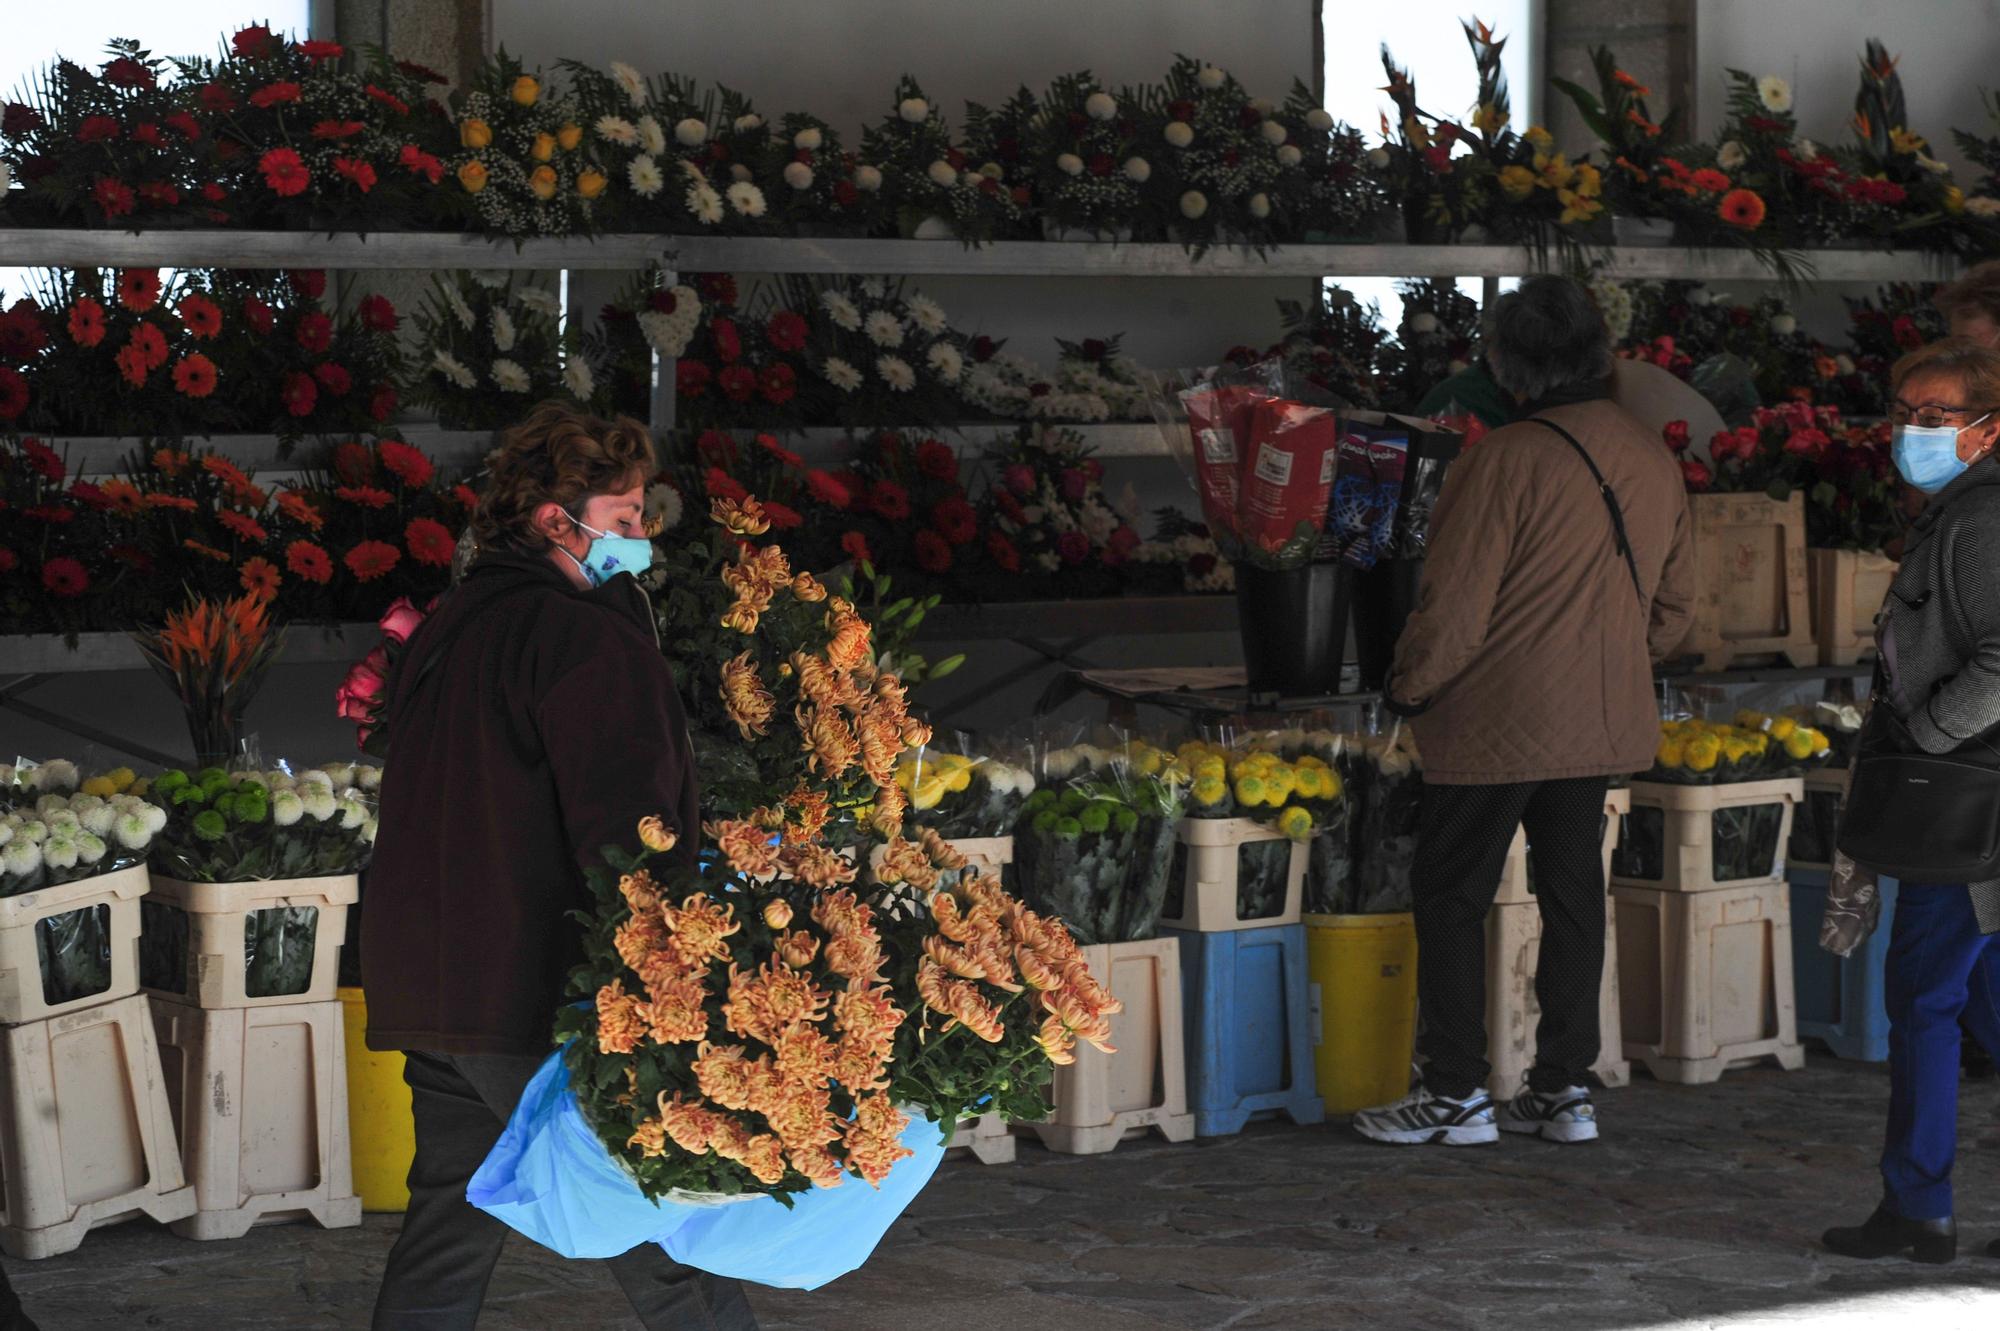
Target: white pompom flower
(1193,204)
(896,373)
(808,139)
(867,179)
(1138,170)
(1784,325)
(798,175)
(1274,132)
(59,852)
(20,858)
(1260,206)
(1179,133)
(1101,106)
(90,848)
(1210,78)
(746,123)
(98,821)
(1378,158)
(368,776)
(287,808)
(914,110)
(690,133)
(353,813)
(1069,164)
(1289,155)
(131,832)
(746,199)
(1319,120)
(942,173)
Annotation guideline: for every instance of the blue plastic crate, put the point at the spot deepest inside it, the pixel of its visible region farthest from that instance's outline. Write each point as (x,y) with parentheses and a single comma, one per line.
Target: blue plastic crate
(1840,1000)
(1249,1027)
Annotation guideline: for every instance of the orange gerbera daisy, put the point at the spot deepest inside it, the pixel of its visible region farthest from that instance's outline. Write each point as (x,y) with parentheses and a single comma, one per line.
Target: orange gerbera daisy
(260,578)
(1741,208)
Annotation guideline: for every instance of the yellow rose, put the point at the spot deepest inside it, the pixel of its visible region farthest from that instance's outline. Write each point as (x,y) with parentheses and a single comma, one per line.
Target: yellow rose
(475,134)
(472,176)
(1518,182)
(569,136)
(543,182)
(590,184)
(525,90)
(545,147)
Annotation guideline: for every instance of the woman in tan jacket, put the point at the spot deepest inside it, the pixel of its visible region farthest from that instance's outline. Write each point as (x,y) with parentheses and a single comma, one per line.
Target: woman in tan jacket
(1559,570)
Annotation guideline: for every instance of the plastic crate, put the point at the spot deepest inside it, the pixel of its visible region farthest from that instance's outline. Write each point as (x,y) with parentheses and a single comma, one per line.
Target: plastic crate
(985,1138)
(1249,1028)
(1363,971)
(1751,591)
(1817,821)
(1099,1100)
(259,1097)
(1848,588)
(198,935)
(1705,979)
(1517,881)
(1513,955)
(27,991)
(86,1135)
(1840,999)
(1683,838)
(1223,855)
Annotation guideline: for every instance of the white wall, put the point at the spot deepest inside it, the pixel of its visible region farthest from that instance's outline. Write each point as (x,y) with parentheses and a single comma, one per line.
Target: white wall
(1950,49)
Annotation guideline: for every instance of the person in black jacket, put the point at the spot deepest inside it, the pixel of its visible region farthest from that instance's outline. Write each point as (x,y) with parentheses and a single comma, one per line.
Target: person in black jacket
(532,721)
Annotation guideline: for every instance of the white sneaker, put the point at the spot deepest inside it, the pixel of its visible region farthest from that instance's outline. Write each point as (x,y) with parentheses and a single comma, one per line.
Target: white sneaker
(1567,1116)
(1421,1118)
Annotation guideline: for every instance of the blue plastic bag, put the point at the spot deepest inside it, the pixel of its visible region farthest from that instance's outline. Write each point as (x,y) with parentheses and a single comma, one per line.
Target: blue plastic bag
(550,1178)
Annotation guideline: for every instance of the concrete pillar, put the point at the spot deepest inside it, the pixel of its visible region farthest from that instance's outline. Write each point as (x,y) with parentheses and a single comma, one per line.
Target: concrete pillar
(1653,39)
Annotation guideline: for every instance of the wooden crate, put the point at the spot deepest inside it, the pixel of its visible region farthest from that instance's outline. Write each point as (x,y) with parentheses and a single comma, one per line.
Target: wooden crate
(1848,588)
(1099,1100)
(1687,816)
(1751,589)
(1514,878)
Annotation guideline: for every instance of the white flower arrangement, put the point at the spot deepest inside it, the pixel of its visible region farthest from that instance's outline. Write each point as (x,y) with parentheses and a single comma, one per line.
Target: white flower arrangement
(1775,94)
(746,198)
(840,374)
(884,329)
(513,343)
(841,310)
(896,373)
(645,177)
(670,333)
(705,204)
(927,315)
(629,80)
(652,139)
(618,130)
(509,377)
(503,329)
(68,837)
(690,132)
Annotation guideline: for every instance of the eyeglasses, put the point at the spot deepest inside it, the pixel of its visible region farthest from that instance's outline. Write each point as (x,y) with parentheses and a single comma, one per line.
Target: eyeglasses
(1931,415)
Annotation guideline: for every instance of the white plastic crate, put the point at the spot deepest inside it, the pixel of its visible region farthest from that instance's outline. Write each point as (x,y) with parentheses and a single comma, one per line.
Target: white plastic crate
(1099,1100)
(1213,848)
(218,915)
(1686,816)
(22,997)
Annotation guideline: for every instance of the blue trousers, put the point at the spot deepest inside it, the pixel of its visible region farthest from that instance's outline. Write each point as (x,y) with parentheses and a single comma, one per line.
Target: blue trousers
(1939,967)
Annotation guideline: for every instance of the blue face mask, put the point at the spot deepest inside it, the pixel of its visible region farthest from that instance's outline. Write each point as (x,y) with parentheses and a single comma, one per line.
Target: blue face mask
(610,555)
(1927,456)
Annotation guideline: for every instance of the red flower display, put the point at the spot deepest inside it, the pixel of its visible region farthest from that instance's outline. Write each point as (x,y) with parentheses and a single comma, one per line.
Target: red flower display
(260,577)
(317,50)
(406,464)
(333,377)
(139,288)
(933,554)
(97,129)
(254,42)
(367,496)
(430,542)
(371,560)
(65,577)
(378,315)
(421,163)
(889,500)
(937,461)
(786,331)
(194,375)
(86,322)
(738,382)
(954,520)
(261,317)
(352,169)
(301,394)
(114,197)
(855,546)
(285,172)
(275,94)
(315,332)
(243,526)
(305,560)
(827,489)
(132,365)
(202,316)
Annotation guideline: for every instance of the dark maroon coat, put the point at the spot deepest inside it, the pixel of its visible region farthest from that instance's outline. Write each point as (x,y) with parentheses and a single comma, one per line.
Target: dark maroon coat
(547,728)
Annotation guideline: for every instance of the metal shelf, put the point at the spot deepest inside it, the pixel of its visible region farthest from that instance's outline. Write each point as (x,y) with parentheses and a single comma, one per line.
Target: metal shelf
(50,654)
(104,455)
(1109,439)
(1104,616)
(51,247)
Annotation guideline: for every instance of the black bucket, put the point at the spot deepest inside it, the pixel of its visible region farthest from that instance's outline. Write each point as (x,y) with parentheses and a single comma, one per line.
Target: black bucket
(1383,598)
(1294,627)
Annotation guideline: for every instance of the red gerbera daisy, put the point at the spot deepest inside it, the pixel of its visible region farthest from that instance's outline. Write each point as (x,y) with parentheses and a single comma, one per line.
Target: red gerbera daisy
(937,461)
(300,394)
(378,315)
(782,518)
(275,94)
(889,500)
(421,163)
(356,170)
(855,546)
(305,560)
(333,377)
(258,315)
(406,464)
(307,282)
(260,577)
(152,344)
(382,402)
(65,577)
(115,197)
(285,172)
(202,316)
(195,375)
(430,542)
(132,365)
(365,495)
(827,489)
(933,554)
(371,560)
(243,526)
(315,332)
(86,322)
(337,129)
(139,288)
(786,330)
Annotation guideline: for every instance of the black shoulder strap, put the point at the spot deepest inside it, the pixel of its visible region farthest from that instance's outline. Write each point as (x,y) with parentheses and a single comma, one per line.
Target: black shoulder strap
(1610,504)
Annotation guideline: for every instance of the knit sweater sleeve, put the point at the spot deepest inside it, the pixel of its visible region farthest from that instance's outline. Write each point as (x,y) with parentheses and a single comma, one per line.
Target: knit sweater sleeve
(1967,704)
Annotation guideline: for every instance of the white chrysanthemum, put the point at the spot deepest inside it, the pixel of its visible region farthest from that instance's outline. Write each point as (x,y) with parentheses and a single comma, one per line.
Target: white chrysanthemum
(652,139)
(338,775)
(287,808)
(690,133)
(705,204)
(353,813)
(693,171)
(867,179)
(1101,106)
(927,314)
(840,309)
(131,832)
(578,379)
(540,299)
(1069,164)
(1289,155)
(1731,155)
(1263,106)
(896,373)
(59,851)
(1138,170)
(90,848)
(1784,325)
(1423,321)
(942,173)
(1193,204)
(645,176)
(459,309)
(6,832)
(629,80)
(315,776)
(945,361)
(98,821)
(1260,206)
(915,110)
(21,858)
(1210,78)
(884,329)
(368,830)
(663,506)
(1319,120)
(1179,133)
(874,288)
(49,804)
(453,369)
(319,801)
(840,374)
(1983,205)
(1775,94)
(63,821)
(738,171)
(56,774)
(503,330)
(1378,159)
(798,175)
(746,199)
(746,123)
(368,776)
(808,139)
(618,130)
(509,377)
(1274,132)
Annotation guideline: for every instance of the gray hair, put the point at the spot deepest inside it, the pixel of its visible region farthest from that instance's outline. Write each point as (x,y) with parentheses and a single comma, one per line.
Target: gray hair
(1545,337)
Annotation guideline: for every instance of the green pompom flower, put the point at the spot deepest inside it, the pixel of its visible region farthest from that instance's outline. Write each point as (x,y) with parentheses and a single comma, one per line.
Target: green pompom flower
(1095,820)
(209,826)
(1069,829)
(166,783)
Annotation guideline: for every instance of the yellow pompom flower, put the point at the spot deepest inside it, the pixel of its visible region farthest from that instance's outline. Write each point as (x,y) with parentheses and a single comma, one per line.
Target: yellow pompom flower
(1279,785)
(1212,766)
(1783,728)
(1703,752)
(1295,823)
(1147,760)
(99,786)
(1750,720)
(1799,745)
(1250,790)
(1331,787)
(1305,783)
(1210,791)
(1670,754)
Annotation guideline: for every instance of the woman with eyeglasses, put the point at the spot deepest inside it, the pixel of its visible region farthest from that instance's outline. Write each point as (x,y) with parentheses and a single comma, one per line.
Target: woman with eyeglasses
(1939,635)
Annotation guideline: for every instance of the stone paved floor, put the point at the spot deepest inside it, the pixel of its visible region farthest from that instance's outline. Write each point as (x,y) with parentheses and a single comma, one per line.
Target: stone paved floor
(1700,1209)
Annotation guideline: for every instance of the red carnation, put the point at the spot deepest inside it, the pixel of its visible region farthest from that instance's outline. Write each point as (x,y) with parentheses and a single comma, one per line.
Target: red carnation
(284,172)
(275,94)
(333,377)
(371,560)
(254,42)
(406,464)
(97,129)
(1003,552)
(315,332)
(20,120)
(786,330)
(65,577)
(1073,546)
(125,72)
(430,542)
(194,375)
(355,170)
(933,555)
(937,461)
(778,384)
(889,500)
(300,394)
(378,315)
(305,560)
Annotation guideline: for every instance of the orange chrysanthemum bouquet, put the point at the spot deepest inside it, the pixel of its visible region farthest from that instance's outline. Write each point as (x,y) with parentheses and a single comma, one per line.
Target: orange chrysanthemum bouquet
(770,1016)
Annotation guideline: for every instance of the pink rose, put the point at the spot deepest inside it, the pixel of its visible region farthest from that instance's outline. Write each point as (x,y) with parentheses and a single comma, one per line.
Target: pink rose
(360,694)
(400,620)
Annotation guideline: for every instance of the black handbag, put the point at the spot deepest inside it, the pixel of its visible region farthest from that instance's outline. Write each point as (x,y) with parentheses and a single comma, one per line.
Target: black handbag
(1921,817)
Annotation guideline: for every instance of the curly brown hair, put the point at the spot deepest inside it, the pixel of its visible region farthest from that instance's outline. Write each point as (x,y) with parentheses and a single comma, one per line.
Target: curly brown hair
(1977,291)
(1975,365)
(558,455)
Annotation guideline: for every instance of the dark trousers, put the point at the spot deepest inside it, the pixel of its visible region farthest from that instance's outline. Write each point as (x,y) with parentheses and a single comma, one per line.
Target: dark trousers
(11,1316)
(1940,969)
(1462,842)
(437,1272)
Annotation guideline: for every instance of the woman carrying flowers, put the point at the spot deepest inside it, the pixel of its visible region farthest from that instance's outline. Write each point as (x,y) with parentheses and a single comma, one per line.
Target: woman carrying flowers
(534,722)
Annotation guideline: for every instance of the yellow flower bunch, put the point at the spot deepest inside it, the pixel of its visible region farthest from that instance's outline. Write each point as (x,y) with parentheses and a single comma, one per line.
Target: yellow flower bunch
(929,779)
(1262,785)
(117,781)
(1755,745)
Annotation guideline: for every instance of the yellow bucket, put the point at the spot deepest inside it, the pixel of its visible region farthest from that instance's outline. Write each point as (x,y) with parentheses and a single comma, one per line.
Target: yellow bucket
(1365,968)
(381,1132)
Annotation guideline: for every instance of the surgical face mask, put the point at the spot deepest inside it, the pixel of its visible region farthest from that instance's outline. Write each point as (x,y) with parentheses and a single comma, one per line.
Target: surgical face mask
(611,555)
(1927,455)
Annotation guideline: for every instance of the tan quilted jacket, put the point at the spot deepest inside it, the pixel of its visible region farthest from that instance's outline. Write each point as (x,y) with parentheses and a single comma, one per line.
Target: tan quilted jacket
(1529,648)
